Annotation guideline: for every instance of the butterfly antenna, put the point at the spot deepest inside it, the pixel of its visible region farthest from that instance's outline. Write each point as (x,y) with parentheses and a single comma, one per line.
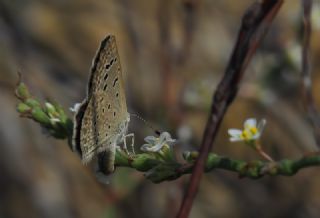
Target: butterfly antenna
(156,131)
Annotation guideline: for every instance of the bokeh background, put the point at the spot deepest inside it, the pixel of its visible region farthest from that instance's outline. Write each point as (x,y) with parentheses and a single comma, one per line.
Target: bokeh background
(173,54)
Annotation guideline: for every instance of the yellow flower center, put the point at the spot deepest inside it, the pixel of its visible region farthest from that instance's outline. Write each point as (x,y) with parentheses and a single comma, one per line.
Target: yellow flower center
(248,133)
(253,130)
(245,135)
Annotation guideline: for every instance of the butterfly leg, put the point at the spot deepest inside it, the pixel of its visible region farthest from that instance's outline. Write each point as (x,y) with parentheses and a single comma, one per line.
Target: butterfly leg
(125,145)
(132,142)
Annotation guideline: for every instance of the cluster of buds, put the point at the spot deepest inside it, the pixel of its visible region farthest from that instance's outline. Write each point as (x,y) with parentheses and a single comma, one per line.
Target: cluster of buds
(50,116)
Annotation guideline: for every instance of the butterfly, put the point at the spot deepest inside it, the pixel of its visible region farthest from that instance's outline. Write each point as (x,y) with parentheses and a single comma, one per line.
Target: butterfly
(101,120)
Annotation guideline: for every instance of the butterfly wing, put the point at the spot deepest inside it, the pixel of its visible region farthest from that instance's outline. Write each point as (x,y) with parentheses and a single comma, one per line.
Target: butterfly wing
(103,113)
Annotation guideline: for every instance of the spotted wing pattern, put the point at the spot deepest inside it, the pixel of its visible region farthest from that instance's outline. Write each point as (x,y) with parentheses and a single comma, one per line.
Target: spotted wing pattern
(102,119)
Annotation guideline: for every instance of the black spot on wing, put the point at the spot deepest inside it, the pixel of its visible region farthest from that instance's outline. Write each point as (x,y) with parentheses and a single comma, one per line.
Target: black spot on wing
(106,76)
(108,66)
(115,81)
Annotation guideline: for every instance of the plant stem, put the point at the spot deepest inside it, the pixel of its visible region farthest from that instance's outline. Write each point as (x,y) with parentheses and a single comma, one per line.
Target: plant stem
(263,154)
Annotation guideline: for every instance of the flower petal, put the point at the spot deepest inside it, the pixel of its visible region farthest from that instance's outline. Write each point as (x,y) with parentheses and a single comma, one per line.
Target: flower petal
(235,139)
(261,125)
(150,139)
(165,138)
(165,135)
(234,132)
(154,148)
(251,122)
(144,147)
(155,144)
(170,142)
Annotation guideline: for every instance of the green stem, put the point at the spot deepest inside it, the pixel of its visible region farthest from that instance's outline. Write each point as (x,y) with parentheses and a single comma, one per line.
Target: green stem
(164,168)
(160,171)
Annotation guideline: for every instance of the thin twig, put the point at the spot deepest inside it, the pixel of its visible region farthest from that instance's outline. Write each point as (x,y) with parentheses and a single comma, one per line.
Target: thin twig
(258,14)
(306,71)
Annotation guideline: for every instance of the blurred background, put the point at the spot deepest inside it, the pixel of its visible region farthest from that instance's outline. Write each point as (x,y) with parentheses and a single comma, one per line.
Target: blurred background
(173,54)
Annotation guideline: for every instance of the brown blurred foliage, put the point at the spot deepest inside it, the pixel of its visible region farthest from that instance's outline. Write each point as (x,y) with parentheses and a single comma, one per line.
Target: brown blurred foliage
(173,54)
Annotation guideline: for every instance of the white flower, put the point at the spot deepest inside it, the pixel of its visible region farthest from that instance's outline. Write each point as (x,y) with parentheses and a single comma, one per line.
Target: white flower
(251,132)
(75,107)
(155,144)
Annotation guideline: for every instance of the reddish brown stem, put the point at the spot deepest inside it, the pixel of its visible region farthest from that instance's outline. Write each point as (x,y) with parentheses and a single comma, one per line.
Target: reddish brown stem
(259,14)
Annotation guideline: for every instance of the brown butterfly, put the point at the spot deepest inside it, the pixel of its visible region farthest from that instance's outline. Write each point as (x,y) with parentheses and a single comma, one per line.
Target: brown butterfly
(101,120)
